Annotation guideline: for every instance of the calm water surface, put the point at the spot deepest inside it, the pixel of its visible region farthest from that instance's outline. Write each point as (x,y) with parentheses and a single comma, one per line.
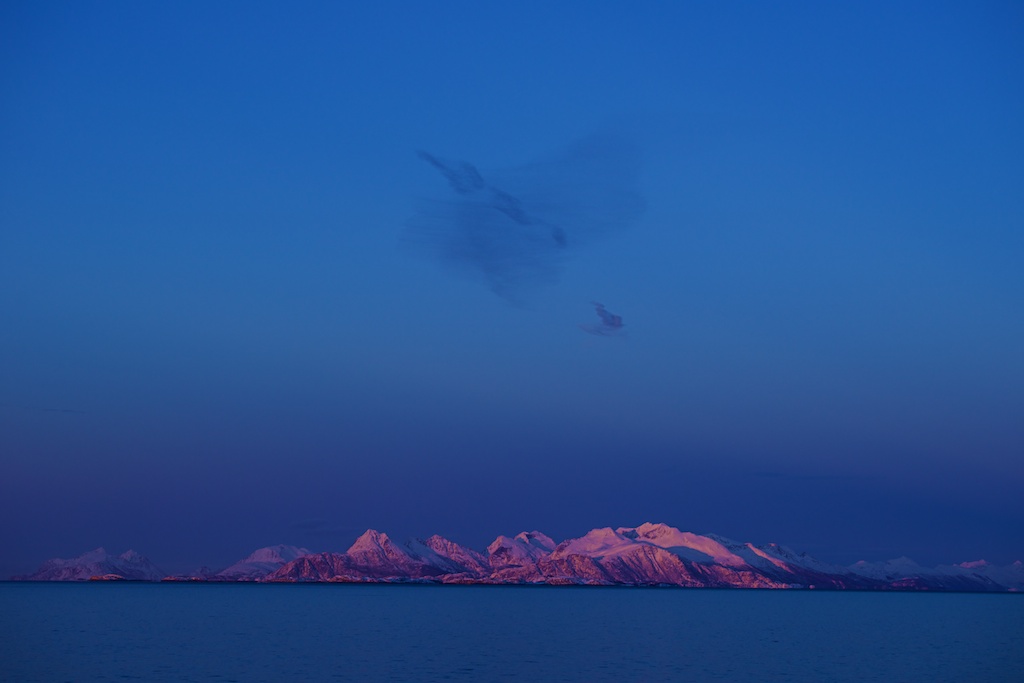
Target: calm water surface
(245,632)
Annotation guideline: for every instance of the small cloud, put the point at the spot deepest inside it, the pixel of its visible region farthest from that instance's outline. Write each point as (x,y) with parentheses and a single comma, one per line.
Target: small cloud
(610,326)
(514,228)
(463,177)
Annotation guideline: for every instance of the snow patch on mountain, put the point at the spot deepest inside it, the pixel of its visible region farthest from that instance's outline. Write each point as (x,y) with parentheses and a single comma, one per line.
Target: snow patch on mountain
(521,551)
(464,559)
(688,545)
(596,543)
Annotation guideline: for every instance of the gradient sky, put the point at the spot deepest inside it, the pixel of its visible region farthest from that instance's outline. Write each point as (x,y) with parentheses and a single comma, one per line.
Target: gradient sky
(220,330)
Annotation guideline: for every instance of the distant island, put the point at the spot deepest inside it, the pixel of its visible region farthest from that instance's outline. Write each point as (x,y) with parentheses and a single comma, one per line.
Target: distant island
(647,555)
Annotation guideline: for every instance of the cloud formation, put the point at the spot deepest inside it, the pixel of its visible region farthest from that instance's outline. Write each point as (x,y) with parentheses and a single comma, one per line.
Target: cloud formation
(514,228)
(610,325)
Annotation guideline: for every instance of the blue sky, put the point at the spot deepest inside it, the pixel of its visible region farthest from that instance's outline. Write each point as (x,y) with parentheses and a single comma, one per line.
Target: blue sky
(221,329)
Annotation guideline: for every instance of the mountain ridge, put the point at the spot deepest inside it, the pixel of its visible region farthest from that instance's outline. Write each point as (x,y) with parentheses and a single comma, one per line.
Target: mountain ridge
(651,554)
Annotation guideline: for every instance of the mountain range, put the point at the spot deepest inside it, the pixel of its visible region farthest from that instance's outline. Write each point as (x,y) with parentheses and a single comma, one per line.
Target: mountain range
(647,555)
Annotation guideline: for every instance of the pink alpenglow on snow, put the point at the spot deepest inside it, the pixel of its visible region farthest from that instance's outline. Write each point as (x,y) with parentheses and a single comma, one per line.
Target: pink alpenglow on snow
(646,555)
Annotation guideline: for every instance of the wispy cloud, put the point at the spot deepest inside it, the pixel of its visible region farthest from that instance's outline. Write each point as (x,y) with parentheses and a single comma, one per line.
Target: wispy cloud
(610,325)
(514,228)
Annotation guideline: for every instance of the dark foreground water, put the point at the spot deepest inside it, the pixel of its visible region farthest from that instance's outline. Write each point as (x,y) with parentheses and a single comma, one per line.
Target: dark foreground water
(239,632)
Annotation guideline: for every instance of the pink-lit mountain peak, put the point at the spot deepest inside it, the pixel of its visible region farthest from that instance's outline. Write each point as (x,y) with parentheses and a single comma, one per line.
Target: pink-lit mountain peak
(976,564)
(442,546)
(377,552)
(527,544)
(763,554)
(537,540)
(503,542)
(421,551)
(370,541)
(462,557)
(690,546)
(276,553)
(516,558)
(375,548)
(600,542)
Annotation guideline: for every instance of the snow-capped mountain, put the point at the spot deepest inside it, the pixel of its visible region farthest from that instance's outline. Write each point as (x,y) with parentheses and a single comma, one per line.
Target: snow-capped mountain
(903,572)
(260,563)
(524,549)
(649,554)
(652,554)
(1011,576)
(514,560)
(97,565)
(464,560)
(374,556)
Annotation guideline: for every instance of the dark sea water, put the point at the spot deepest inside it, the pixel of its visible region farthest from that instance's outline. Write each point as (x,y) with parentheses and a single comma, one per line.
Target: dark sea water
(240,632)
